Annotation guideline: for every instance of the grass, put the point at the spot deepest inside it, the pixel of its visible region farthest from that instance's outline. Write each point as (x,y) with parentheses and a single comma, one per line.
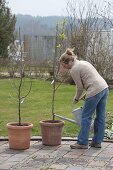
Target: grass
(38,105)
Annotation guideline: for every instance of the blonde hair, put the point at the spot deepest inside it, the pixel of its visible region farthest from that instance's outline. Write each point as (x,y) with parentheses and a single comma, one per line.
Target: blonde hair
(67,56)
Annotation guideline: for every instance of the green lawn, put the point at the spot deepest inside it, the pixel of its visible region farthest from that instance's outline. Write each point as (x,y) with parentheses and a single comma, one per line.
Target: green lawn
(38,105)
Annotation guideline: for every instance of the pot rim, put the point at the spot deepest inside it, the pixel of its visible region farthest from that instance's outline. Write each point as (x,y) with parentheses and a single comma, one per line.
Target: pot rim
(14,125)
(52,122)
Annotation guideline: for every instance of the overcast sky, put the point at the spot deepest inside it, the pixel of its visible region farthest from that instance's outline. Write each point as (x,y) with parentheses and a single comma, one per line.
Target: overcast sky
(38,7)
(44,7)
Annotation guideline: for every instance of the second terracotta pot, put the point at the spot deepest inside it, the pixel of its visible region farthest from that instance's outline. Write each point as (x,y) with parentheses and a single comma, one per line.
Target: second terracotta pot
(51,131)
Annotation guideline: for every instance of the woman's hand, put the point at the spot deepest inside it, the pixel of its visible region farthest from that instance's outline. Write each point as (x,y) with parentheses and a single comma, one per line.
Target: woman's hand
(75,100)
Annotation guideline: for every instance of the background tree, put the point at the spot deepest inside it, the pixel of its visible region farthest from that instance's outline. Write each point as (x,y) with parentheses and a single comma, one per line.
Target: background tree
(88,32)
(7,26)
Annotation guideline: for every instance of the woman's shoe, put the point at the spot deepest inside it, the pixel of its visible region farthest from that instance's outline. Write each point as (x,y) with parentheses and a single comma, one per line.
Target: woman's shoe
(78,146)
(95,145)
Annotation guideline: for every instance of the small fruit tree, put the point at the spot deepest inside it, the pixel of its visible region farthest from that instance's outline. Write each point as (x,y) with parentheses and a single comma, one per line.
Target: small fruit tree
(59,46)
(18,65)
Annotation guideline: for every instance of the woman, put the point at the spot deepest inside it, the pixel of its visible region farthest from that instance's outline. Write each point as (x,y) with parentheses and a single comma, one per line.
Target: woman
(87,78)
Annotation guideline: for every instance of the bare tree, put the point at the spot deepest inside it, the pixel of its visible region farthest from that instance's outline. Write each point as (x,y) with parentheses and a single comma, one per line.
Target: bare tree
(18,66)
(100,54)
(88,33)
(59,47)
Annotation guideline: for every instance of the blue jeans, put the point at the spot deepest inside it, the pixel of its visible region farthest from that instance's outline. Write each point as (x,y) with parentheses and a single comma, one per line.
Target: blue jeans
(96,103)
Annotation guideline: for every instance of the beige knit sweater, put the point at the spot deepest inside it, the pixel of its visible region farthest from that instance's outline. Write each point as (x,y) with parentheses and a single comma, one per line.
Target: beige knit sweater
(87,78)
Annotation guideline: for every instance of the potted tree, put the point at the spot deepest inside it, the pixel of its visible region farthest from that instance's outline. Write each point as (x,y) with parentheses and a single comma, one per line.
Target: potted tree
(19,132)
(52,129)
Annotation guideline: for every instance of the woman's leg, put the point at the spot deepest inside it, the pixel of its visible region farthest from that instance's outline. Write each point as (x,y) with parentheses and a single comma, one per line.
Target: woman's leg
(88,111)
(99,123)
(89,108)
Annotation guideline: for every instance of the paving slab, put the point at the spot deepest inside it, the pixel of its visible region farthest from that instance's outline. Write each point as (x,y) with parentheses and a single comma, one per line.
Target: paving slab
(61,157)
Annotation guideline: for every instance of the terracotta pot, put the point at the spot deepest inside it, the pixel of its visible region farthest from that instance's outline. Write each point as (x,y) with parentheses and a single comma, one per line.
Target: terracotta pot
(51,131)
(19,136)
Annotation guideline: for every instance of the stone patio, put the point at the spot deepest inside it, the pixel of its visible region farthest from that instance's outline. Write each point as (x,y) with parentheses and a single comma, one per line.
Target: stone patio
(41,157)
